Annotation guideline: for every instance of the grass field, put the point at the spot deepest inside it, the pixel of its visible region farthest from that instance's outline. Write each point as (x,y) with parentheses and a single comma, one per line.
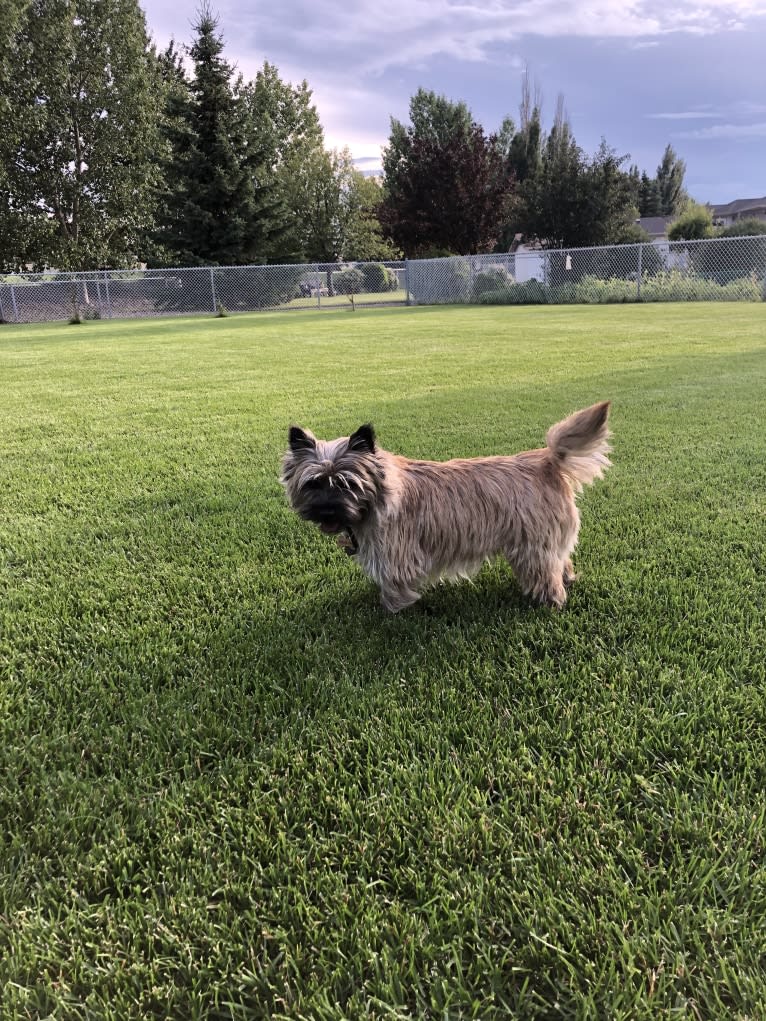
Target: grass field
(231,787)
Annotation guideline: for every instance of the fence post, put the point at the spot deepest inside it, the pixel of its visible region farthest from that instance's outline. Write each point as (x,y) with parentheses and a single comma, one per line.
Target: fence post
(638,274)
(13,302)
(212,290)
(108,296)
(407,279)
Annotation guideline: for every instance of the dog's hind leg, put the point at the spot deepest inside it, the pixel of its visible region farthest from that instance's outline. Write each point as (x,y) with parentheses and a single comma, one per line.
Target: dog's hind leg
(397,597)
(542,578)
(569,573)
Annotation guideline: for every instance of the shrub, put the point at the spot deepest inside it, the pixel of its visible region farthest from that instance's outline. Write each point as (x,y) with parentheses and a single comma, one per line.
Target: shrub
(669,285)
(675,285)
(729,260)
(611,291)
(348,281)
(495,278)
(694,224)
(440,281)
(749,227)
(531,292)
(378,278)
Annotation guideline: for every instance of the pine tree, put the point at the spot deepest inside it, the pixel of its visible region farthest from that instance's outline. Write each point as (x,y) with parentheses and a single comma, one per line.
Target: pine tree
(209,205)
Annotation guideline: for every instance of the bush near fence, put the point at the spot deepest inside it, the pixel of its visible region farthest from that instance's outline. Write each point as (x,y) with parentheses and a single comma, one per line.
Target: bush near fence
(670,285)
(721,269)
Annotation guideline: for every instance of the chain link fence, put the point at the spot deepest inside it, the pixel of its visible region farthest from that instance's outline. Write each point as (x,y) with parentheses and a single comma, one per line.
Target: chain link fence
(124,294)
(719,269)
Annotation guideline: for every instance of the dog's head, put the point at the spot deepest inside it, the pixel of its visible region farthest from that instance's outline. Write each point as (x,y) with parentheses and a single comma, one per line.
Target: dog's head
(334,483)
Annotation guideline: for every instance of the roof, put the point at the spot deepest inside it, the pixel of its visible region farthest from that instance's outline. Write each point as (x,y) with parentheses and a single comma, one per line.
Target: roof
(738,206)
(654,225)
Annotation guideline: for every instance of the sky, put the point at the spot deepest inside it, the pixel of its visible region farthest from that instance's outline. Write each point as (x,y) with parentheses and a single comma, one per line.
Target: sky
(640,73)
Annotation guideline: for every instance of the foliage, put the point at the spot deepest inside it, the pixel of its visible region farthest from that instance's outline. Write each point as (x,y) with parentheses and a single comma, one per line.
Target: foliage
(649,202)
(494,278)
(666,285)
(349,281)
(576,201)
(564,198)
(364,239)
(211,209)
(694,224)
(378,278)
(444,181)
(747,227)
(670,183)
(663,194)
(286,143)
(439,281)
(334,212)
(79,154)
(729,259)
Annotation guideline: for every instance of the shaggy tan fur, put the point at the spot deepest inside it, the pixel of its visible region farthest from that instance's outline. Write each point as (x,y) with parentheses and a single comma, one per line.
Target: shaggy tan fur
(411,523)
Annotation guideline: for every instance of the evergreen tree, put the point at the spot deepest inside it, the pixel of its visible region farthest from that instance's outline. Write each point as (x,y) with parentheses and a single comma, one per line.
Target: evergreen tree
(79,151)
(649,202)
(209,203)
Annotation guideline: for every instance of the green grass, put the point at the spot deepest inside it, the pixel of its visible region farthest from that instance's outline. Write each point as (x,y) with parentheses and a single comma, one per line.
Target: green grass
(232,787)
(397,297)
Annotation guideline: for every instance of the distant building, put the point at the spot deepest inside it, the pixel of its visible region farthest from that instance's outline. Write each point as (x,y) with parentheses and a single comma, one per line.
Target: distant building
(655,226)
(740,209)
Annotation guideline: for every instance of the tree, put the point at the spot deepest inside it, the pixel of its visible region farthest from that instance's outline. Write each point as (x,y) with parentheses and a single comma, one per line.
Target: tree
(694,224)
(286,144)
(364,234)
(564,197)
(320,206)
(79,154)
(670,183)
(444,181)
(210,211)
(335,209)
(649,201)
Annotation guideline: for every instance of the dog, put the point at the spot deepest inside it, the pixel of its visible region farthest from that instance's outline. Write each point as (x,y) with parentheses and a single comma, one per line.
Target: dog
(411,523)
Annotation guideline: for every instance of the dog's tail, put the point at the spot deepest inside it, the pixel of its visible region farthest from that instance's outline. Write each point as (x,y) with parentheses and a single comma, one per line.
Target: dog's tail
(580,444)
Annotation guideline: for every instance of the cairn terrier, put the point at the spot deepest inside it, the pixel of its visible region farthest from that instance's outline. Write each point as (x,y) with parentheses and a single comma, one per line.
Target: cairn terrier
(411,523)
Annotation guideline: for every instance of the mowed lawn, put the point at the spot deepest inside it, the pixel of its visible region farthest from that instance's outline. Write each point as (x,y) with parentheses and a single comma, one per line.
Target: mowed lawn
(232,787)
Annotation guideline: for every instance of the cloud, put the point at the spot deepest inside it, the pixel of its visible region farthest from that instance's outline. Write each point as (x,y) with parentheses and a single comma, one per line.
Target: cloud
(368,37)
(731,131)
(686,115)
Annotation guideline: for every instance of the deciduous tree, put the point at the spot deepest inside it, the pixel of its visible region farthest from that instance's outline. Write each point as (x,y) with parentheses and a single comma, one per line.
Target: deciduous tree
(80,151)
(444,181)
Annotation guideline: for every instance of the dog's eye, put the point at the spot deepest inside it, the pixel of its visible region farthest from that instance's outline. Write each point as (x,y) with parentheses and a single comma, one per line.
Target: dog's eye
(314,483)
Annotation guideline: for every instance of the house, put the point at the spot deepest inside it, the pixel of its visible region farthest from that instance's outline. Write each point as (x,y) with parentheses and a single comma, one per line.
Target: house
(655,226)
(740,209)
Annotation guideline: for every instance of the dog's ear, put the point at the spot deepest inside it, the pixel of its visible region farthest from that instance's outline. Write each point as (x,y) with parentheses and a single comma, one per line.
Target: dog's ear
(301,439)
(363,440)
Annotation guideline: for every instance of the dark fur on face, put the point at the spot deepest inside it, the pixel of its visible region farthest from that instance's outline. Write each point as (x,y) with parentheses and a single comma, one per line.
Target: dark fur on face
(333,483)
(410,523)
